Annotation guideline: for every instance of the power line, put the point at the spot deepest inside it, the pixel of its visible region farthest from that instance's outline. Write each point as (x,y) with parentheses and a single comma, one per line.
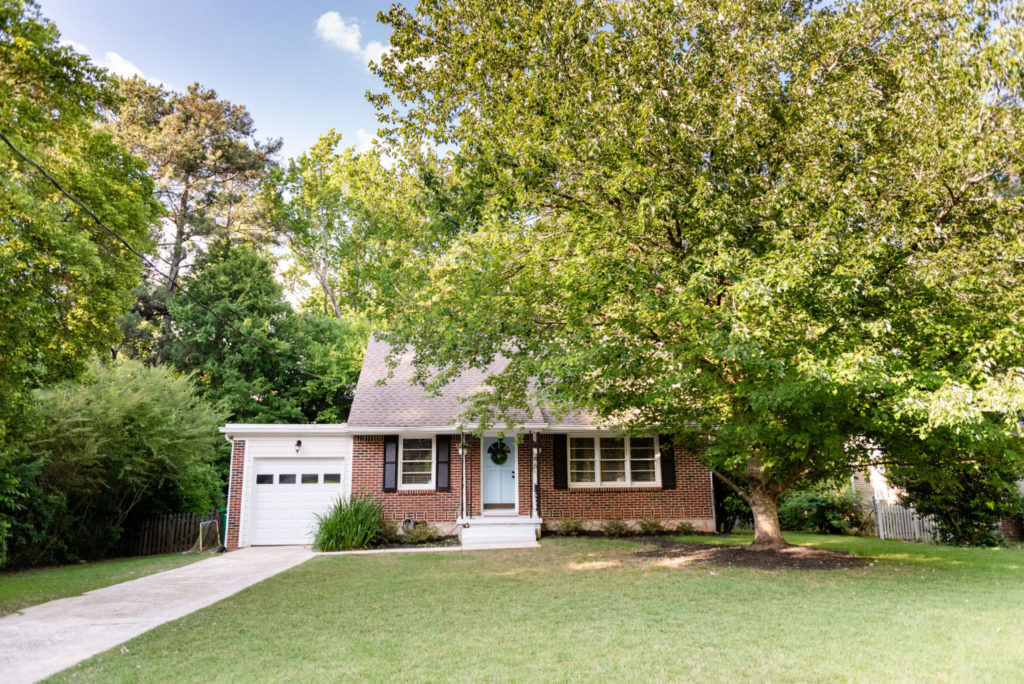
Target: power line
(145,259)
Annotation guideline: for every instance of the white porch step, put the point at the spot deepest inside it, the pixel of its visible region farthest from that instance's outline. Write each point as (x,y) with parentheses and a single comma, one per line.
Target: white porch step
(500,533)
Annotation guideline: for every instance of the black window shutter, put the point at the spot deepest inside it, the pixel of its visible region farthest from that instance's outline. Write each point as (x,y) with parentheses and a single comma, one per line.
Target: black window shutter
(390,464)
(444,463)
(560,467)
(668,462)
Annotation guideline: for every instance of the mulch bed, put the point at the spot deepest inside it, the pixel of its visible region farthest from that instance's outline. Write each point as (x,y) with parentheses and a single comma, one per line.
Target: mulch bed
(449,540)
(788,558)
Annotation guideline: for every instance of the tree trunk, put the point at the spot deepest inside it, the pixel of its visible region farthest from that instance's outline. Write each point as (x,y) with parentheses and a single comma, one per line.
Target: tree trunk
(764,506)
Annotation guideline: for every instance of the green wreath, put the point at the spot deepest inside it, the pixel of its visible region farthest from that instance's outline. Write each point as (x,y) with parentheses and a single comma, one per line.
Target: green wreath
(498,452)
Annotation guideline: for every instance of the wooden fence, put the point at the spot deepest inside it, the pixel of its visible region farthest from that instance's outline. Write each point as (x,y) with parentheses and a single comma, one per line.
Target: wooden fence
(170,533)
(893,521)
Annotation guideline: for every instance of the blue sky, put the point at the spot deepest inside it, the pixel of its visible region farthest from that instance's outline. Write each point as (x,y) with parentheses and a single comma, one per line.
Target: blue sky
(299,67)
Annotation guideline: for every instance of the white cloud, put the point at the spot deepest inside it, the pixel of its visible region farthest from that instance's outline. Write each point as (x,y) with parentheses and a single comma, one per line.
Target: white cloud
(334,30)
(374,51)
(77,47)
(113,62)
(364,140)
(119,65)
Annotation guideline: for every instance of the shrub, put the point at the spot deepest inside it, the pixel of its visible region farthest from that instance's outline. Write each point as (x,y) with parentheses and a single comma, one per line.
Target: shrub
(821,508)
(421,533)
(569,526)
(966,490)
(651,526)
(685,528)
(387,533)
(122,440)
(614,528)
(351,524)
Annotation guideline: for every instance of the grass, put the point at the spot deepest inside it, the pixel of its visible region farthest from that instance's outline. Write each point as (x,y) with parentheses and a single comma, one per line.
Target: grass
(31,587)
(589,609)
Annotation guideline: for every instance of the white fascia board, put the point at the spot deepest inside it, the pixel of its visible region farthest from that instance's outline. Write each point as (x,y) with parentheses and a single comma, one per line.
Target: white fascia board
(245,429)
(453,429)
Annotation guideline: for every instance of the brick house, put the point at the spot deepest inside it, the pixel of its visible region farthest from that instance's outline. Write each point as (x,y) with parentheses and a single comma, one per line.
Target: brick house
(405,447)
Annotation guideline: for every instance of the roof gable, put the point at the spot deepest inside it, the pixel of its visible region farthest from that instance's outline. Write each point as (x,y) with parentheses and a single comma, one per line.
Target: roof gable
(400,403)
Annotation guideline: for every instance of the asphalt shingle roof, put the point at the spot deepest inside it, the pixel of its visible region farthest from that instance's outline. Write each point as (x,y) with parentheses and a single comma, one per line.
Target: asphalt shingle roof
(401,403)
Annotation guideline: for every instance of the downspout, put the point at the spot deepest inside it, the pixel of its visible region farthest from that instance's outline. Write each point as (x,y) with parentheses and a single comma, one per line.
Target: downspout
(536,480)
(462,442)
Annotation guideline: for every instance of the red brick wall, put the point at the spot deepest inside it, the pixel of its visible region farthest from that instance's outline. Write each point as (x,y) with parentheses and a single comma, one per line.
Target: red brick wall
(235,481)
(691,500)
(426,505)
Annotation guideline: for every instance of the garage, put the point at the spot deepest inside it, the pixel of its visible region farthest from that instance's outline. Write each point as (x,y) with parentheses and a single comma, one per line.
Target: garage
(287,496)
(289,474)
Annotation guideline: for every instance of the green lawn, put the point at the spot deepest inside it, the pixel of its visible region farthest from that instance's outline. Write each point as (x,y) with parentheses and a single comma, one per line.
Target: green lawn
(28,588)
(590,610)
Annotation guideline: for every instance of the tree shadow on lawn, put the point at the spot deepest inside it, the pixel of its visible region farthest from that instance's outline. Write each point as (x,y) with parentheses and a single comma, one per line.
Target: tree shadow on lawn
(787,558)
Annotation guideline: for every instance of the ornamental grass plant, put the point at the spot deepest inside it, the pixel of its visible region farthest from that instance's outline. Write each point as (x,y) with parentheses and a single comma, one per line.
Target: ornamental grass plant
(351,524)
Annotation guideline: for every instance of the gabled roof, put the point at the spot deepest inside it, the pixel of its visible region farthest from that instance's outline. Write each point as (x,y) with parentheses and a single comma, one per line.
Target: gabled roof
(399,403)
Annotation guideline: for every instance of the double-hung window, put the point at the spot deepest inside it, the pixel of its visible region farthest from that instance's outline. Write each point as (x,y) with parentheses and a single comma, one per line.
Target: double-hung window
(416,463)
(613,462)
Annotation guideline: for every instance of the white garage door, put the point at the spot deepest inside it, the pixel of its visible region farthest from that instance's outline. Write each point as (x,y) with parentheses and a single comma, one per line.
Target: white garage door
(287,495)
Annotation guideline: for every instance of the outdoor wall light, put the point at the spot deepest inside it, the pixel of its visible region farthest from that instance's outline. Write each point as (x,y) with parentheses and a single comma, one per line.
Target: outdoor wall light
(298,445)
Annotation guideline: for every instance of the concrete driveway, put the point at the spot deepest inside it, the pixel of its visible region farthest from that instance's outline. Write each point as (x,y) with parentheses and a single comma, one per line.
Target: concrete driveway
(45,639)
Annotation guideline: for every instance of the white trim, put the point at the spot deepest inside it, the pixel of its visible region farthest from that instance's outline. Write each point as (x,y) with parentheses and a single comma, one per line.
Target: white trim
(515,471)
(433,464)
(241,430)
(627,447)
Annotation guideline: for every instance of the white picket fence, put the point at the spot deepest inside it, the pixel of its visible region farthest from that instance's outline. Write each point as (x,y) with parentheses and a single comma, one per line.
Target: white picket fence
(893,521)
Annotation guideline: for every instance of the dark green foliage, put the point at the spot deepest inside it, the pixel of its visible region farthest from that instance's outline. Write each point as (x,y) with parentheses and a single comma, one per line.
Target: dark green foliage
(351,524)
(614,528)
(252,352)
(823,509)
(966,491)
(64,280)
(651,526)
(99,451)
(421,533)
(569,526)
(685,528)
(731,509)
(201,489)
(387,533)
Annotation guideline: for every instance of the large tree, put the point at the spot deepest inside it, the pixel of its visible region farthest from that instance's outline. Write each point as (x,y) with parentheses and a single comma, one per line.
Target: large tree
(340,213)
(207,162)
(770,226)
(64,279)
(251,353)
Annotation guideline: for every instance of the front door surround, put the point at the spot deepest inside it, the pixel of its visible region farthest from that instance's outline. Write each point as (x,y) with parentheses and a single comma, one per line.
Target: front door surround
(499,474)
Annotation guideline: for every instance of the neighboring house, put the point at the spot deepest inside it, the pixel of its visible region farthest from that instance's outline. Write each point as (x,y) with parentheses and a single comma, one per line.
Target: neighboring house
(873,487)
(405,447)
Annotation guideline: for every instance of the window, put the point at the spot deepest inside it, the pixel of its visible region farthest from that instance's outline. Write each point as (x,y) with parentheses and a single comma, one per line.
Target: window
(264,479)
(581,460)
(613,462)
(310,478)
(416,463)
(286,479)
(332,478)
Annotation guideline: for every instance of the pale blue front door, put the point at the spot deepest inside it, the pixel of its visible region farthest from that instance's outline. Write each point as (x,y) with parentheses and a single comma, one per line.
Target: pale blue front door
(499,473)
